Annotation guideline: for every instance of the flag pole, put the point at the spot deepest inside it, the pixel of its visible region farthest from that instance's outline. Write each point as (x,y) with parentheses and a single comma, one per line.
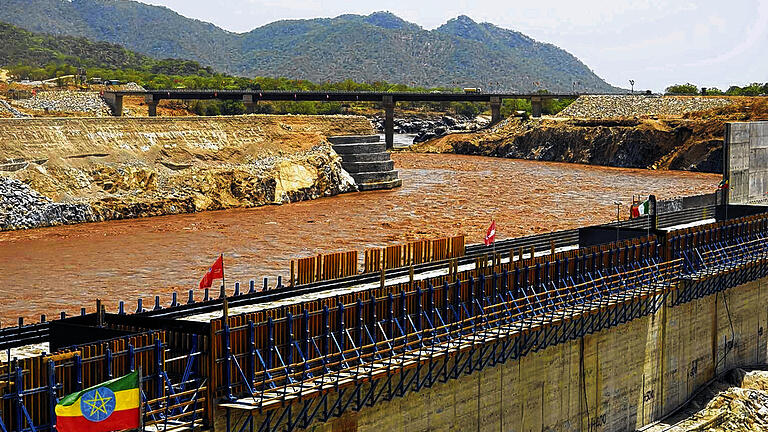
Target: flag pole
(494,246)
(648,224)
(225,304)
(141,402)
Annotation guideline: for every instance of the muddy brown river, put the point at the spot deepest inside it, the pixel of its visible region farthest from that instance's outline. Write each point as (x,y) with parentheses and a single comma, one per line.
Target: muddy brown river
(48,270)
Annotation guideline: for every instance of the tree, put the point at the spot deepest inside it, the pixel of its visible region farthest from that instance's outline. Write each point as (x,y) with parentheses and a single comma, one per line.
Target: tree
(753,89)
(682,89)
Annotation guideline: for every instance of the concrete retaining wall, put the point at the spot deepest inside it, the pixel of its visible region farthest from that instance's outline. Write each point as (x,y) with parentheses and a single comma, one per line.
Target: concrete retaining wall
(746,162)
(615,380)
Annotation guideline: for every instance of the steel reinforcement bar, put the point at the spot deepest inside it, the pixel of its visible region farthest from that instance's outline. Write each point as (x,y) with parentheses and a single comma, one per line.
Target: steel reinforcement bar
(443,337)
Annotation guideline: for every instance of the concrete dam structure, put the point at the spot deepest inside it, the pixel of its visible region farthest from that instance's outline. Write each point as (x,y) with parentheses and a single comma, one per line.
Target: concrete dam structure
(602,328)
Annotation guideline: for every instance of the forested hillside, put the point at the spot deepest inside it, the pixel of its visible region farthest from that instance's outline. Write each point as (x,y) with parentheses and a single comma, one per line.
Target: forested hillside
(377,47)
(21,49)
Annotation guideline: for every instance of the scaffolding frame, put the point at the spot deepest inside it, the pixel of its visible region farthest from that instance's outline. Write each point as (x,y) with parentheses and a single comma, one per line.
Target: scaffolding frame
(389,357)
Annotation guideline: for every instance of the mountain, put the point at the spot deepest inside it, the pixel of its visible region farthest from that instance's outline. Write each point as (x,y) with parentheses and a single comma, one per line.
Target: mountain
(23,47)
(376,47)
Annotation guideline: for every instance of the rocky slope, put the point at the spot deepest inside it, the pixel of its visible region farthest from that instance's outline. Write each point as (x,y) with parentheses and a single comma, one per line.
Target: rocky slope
(613,106)
(691,140)
(65,102)
(59,171)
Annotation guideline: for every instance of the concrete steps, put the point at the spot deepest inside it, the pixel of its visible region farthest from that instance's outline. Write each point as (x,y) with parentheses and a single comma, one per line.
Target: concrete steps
(372,166)
(353,139)
(374,176)
(380,185)
(360,148)
(366,159)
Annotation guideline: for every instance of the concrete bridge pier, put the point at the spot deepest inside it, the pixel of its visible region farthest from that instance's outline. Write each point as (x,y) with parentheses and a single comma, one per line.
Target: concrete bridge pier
(115,102)
(250,104)
(389,121)
(151,105)
(536,105)
(495,110)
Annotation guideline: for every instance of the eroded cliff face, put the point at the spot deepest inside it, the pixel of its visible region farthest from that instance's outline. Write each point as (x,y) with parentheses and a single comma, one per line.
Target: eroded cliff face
(676,137)
(630,143)
(102,169)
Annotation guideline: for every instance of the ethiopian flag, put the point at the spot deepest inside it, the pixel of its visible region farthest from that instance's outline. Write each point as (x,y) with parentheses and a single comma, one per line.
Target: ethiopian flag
(109,406)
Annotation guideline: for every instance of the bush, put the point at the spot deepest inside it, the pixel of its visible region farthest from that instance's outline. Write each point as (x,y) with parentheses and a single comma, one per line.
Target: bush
(682,89)
(467,109)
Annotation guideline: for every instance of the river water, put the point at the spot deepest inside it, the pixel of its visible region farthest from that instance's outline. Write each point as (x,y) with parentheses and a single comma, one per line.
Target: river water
(63,268)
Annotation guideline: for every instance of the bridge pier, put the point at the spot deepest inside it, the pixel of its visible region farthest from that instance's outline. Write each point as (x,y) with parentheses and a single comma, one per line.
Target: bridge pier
(115,102)
(151,105)
(389,121)
(536,105)
(495,110)
(250,104)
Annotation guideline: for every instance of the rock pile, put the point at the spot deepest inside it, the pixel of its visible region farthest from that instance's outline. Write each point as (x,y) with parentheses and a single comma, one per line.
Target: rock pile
(22,207)
(639,105)
(427,129)
(6,107)
(132,86)
(67,101)
(738,402)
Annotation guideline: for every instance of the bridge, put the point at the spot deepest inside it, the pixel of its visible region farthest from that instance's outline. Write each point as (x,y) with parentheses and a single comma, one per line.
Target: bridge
(250,98)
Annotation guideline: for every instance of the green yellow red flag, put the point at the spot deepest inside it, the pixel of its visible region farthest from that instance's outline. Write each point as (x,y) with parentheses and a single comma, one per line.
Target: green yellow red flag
(109,406)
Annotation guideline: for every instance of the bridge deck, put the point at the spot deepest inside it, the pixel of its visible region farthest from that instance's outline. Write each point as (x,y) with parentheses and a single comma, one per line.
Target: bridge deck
(334,96)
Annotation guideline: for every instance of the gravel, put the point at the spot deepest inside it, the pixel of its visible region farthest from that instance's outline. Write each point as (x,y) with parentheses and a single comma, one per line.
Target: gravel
(67,101)
(639,105)
(21,207)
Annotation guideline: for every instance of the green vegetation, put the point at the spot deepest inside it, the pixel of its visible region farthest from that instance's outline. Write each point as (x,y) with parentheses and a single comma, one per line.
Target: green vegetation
(754,89)
(40,57)
(32,56)
(682,89)
(377,47)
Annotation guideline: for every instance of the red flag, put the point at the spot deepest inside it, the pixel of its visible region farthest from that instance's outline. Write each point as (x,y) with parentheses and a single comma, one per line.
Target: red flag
(215,272)
(490,235)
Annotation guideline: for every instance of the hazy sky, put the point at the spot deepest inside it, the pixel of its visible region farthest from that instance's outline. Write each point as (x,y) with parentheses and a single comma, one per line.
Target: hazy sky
(655,42)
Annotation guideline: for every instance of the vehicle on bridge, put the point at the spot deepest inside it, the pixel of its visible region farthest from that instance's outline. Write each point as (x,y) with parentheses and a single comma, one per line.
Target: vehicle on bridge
(473,90)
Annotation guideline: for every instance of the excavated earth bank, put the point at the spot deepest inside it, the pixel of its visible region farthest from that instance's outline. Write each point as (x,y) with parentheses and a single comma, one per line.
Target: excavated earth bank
(738,402)
(59,171)
(647,136)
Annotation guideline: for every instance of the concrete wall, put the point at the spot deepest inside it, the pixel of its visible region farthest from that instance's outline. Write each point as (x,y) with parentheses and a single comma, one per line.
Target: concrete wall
(615,380)
(746,161)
